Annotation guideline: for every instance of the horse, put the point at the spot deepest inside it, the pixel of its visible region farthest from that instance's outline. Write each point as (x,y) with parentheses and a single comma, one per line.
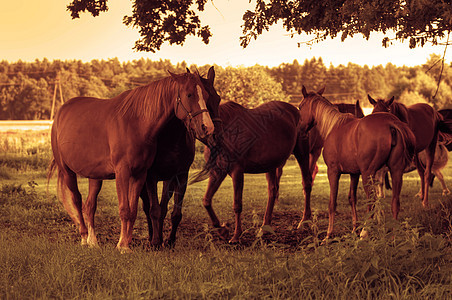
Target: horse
(175,154)
(357,147)
(444,138)
(117,139)
(315,144)
(254,141)
(439,162)
(425,122)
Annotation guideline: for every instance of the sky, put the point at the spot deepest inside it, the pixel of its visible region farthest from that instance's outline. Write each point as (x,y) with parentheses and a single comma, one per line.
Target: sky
(31,29)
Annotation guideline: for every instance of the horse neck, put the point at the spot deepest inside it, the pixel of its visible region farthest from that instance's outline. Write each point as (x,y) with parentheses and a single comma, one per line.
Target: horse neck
(152,105)
(327,118)
(400,111)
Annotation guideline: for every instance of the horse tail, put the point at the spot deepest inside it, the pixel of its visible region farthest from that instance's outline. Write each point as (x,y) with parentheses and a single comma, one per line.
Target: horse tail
(69,206)
(402,133)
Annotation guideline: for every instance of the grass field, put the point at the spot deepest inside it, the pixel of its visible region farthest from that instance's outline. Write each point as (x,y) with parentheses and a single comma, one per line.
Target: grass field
(41,256)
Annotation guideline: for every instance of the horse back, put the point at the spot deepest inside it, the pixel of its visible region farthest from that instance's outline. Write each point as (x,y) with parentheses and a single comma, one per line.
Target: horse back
(262,138)
(89,137)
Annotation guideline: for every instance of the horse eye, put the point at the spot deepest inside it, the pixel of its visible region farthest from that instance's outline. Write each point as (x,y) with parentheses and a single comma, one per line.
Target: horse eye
(189,95)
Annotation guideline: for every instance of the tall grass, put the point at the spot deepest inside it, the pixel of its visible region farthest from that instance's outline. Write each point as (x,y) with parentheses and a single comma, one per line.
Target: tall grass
(40,256)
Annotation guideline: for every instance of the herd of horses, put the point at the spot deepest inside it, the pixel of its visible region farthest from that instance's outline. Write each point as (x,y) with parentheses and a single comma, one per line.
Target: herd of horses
(147,134)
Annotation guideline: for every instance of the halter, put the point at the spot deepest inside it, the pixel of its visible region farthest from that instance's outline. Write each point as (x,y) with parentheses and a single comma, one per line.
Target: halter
(188,115)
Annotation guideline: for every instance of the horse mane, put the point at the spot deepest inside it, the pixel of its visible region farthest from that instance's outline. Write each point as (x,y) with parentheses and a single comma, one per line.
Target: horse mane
(148,102)
(326,115)
(153,100)
(400,111)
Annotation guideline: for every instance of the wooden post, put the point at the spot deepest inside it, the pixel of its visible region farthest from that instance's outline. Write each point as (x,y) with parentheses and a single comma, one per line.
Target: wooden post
(57,81)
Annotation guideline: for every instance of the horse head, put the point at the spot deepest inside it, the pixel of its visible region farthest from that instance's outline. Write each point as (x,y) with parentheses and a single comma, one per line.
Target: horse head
(381,105)
(397,109)
(213,103)
(307,120)
(190,105)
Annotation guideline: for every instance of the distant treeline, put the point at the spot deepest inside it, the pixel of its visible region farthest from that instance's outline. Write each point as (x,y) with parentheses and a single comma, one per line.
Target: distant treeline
(27,89)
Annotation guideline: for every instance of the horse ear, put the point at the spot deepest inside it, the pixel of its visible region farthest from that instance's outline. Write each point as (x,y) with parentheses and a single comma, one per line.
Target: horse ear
(172,74)
(358,110)
(211,75)
(304,92)
(391,100)
(320,92)
(371,100)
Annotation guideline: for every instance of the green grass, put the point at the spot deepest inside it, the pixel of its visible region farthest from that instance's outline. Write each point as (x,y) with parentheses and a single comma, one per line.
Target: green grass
(41,258)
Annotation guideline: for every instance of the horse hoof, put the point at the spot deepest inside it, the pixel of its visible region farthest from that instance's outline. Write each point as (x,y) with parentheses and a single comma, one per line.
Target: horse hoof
(124,250)
(169,244)
(364,234)
(233,241)
(223,231)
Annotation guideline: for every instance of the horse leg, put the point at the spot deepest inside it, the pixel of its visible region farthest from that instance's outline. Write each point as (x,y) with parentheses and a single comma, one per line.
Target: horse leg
(354,180)
(301,153)
(74,208)
(128,189)
(421,171)
(167,193)
(333,178)
(147,209)
(237,182)
(397,179)
(279,172)
(443,183)
(215,180)
(154,211)
(90,209)
(176,215)
(272,192)
(379,180)
(430,153)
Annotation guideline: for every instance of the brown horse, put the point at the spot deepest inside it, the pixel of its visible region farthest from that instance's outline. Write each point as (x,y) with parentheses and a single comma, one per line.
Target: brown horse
(255,141)
(426,123)
(175,154)
(439,162)
(357,147)
(117,138)
(445,138)
(315,144)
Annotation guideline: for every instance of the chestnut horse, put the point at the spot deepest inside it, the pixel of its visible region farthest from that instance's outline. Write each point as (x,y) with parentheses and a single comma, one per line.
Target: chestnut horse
(439,162)
(315,144)
(357,147)
(117,138)
(174,156)
(254,141)
(426,123)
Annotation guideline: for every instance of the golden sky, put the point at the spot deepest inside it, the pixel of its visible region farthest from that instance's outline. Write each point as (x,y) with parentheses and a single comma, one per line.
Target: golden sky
(37,29)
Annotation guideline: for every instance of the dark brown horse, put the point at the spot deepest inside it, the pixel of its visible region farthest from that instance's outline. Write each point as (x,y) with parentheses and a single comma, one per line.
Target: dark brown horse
(446,138)
(426,123)
(255,140)
(175,154)
(117,138)
(357,147)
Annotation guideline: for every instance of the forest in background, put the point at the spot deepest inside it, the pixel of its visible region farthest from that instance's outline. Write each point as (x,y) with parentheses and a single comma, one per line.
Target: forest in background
(27,89)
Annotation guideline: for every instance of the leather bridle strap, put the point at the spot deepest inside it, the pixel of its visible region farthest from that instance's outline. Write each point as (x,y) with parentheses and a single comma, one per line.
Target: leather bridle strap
(189,114)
